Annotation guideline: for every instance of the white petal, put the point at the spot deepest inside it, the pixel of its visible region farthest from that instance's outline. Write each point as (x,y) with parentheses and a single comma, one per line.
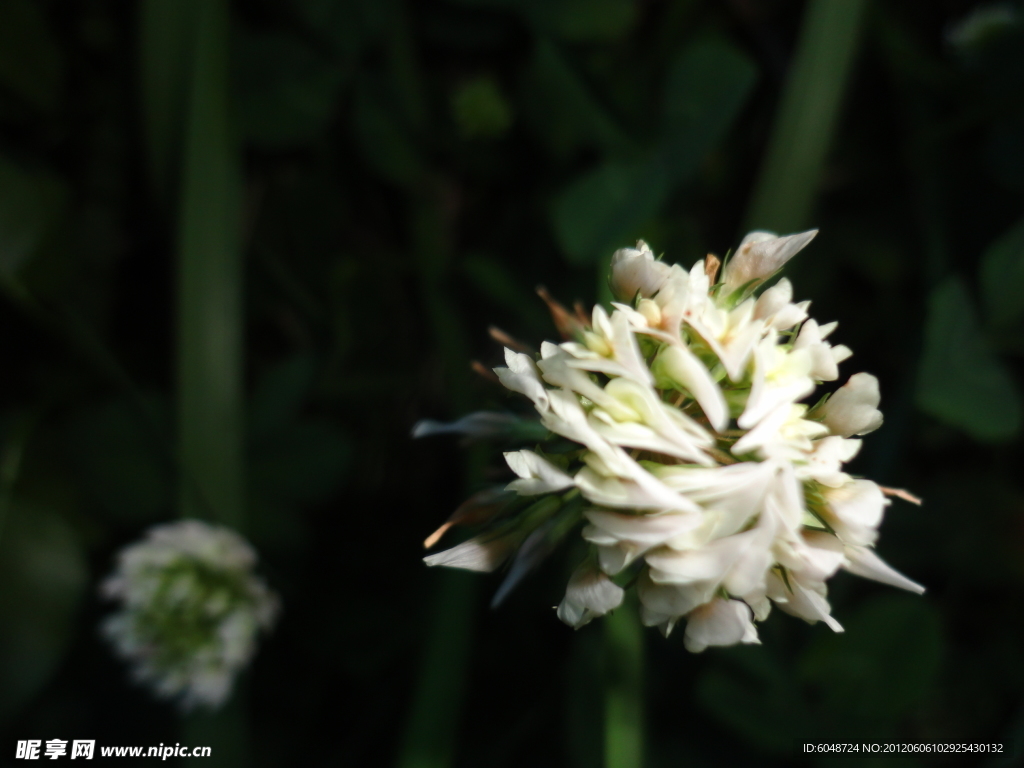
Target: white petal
(780,377)
(645,531)
(681,365)
(588,595)
(628,494)
(720,622)
(738,561)
(522,376)
(853,409)
(857,509)
(537,475)
(662,601)
(824,366)
(802,598)
(735,491)
(761,254)
(864,562)
(635,270)
(477,554)
(824,464)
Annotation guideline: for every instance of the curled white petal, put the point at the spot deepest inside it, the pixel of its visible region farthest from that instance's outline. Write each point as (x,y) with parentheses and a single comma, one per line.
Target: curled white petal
(862,561)
(780,377)
(855,511)
(735,492)
(824,463)
(775,307)
(480,553)
(824,358)
(589,594)
(853,409)
(683,367)
(636,271)
(522,376)
(802,597)
(720,622)
(537,475)
(761,254)
(667,603)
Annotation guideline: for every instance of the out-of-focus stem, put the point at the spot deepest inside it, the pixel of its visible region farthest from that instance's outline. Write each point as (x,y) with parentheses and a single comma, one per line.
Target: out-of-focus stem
(210,286)
(209,321)
(624,689)
(806,116)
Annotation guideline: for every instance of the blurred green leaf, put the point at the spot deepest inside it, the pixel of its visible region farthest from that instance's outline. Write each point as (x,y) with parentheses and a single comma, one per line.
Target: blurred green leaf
(29,204)
(809,107)
(480,109)
(575,20)
(286,91)
(562,108)
(120,460)
(607,207)
(30,61)
(1002,277)
(583,20)
(883,666)
(707,85)
(960,380)
(43,575)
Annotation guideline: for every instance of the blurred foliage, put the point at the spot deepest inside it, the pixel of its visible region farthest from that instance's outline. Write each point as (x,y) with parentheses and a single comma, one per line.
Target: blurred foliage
(411,172)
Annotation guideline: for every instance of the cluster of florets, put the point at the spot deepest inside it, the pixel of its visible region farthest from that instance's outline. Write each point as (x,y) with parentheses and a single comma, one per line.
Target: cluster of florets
(679,437)
(191,610)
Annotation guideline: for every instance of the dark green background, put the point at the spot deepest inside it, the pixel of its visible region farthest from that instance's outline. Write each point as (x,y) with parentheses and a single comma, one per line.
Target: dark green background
(412,170)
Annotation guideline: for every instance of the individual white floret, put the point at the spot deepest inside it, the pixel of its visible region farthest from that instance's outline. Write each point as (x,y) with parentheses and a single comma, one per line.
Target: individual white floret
(537,475)
(636,271)
(762,254)
(853,408)
(825,358)
(720,622)
(589,594)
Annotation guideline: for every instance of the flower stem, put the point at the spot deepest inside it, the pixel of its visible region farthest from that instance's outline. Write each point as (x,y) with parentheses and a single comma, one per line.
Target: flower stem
(210,285)
(193,35)
(624,684)
(807,115)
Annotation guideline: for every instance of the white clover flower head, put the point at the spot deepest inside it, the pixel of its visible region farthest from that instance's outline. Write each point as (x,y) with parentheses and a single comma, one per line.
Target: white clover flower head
(191,610)
(680,435)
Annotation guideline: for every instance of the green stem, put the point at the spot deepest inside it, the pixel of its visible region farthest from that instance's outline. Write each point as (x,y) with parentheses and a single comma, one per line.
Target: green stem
(429,740)
(430,735)
(210,353)
(624,689)
(210,286)
(807,114)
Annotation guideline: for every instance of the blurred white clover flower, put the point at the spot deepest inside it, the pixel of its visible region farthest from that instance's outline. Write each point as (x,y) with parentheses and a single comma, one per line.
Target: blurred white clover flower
(680,439)
(190,610)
